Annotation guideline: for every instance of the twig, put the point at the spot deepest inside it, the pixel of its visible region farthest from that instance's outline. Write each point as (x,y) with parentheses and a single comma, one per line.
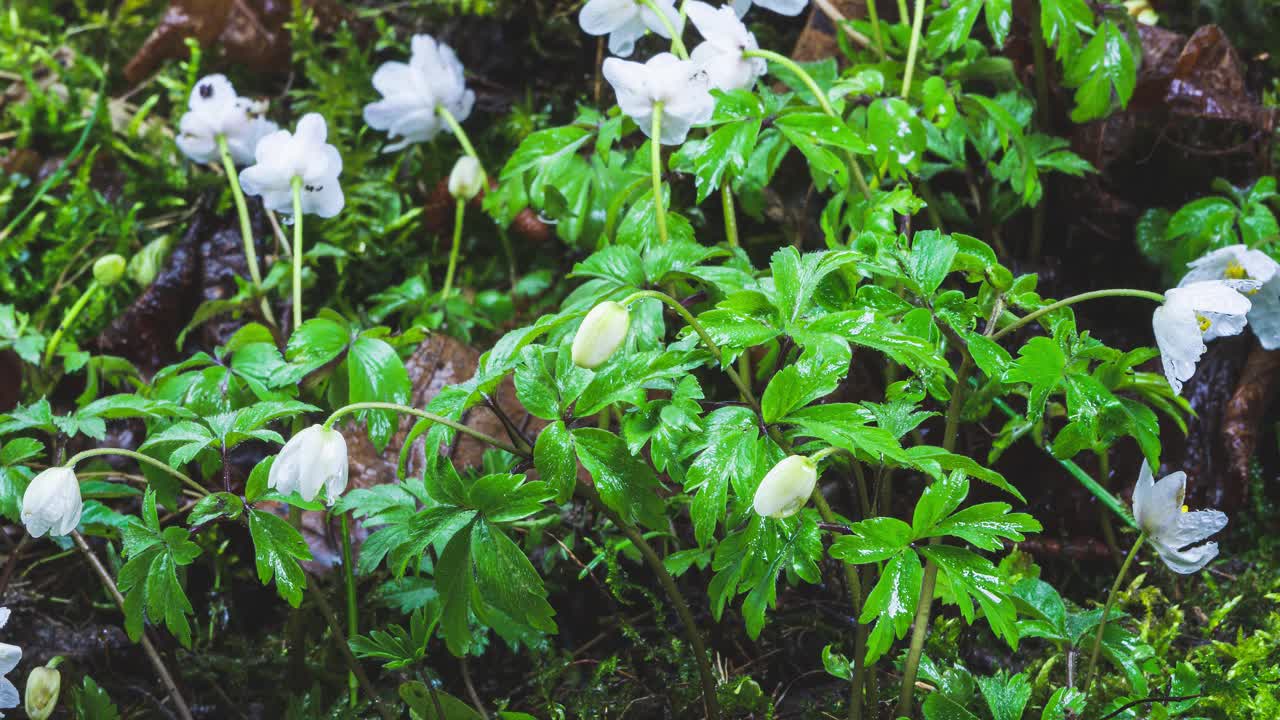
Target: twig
(471,688)
(183,711)
(837,17)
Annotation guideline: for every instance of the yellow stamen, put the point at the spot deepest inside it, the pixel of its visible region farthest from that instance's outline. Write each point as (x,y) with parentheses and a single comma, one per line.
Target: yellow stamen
(1235,271)
(1205,323)
(1186,509)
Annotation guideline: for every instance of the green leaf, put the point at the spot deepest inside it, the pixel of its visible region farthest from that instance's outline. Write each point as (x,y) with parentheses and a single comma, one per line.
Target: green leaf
(278,547)
(1060,23)
(19,450)
(625,378)
(818,127)
(1006,696)
(455,582)
(91,702)
(722,153)
(506,580)
(1040,601)
(930,260)
(1041,363)
(730,452)
(892,602)
(556,461)
(315,343)
(796,278)
(970,576)
(543,148)
(187,438)
(1106,65)
(215,506)
(940,499)
(375,373)
(419,699)
(818,371)
(872,540)
(626,483)
(985,524)
(935,461)
(1064,703)
(896,136)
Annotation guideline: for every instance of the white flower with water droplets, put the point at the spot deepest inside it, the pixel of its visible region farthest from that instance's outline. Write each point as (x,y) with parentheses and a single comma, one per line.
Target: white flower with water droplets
(282,156)
(1238,262)
(1193,314)
(626,21)
(678,84)
(721,56)
(600,335)
(52,503)
(9,657)
(786,487)
(312,461)
(413,93)
(782,7)
(1170,528)
(214,109)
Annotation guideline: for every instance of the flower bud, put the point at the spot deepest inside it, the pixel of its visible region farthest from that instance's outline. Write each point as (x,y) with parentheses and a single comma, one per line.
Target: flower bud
(52,503)
(145,264)
(313,460)
(43,685)
(600,335)
(999,277)
(109,269)
(466,179)
(786,488)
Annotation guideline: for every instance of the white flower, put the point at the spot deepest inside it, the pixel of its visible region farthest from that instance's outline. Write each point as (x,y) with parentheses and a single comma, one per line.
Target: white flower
(786,488)
(1158,509)
(1238,262)
(678,84)
(413,92)
(625,21)
(282,156)
(784,7)
(1193,314)
(52,503)
(600,334)
(726,40)
(214,109)
(466,178)
(9,657)
(313,460)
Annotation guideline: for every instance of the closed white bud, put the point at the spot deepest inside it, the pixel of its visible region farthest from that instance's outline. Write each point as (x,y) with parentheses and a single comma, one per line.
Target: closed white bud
(787,487)
(41,698)
(313,460)
(601,334)
(52,503)
(466,179)
(109,269)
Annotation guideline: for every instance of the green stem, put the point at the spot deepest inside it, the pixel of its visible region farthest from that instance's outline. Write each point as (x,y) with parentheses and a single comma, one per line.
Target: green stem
(463,140)
(1104,519)
(730,216)
(655,161)
(904,17)
(353,615)
(1093,295)
(296,184)
(873,16)
(855,596)
(677,44)
(67,321)
(1106,610)
(97,452)
(825,453)
(458,214)
(692,322)
(913,49)
(356,407)
(246,228)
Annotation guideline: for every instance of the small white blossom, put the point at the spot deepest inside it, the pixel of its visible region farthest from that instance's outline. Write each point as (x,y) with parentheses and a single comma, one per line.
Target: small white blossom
(282,156)
(678,84)
(413,93)
(721,56)
(782,7)
(600,334)
(312,461)
(786,487)
(214,109)
(1238,262)
(1193,314)
(9,657)
(466,178)
(1171,529)
(52,503)
(626,21)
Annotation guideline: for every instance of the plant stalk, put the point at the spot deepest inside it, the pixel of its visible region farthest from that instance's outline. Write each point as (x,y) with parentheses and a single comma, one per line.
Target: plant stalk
(655,161)
(246,228)
(913,49)
(730,215)
(1092,295)
(68,320)
(458,214)
(463,140)
(98,452)
(296,185)
(465,430)
(1106,611)
(349,585)
(677,43)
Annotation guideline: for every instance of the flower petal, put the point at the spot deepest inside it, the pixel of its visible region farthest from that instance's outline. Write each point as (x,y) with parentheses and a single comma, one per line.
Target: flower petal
(783,7)
(600,17)
(1264,316)
(9,657)
(1178,336)
(1187,561)
(1192,527)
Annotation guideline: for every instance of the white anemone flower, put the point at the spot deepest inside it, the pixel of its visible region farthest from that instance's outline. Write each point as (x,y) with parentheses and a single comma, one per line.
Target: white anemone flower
(679,85)
(786,487)
(312,461)
(1193,314)
(1170,528)
(413,93)
(600,334)
(721,56)
(214,109)
(1238,262)
(283,156)
(626,21)
(9,657)
(782,7)
(52,503)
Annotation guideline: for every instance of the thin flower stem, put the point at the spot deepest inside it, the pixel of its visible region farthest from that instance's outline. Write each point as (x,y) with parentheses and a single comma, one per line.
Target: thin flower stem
(821,96)
(677,44)
(730,216)
(825,453)
(873,16)
(180,705)
(68,320)
(297,252)
(692,322)
(458,214)
(340,640)
(353,615)
(463,140)
(904,17)
(1106,610)
(855,596)
(98,452)
(837,17)
(655,160)
(1093,295)
(913,48)
(246,228)
(355,407)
